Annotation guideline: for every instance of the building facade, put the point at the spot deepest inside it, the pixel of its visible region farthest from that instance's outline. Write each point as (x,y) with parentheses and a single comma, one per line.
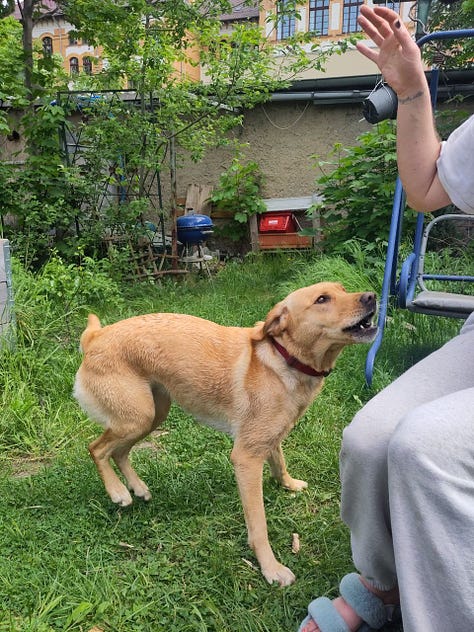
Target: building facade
(329,20)
(56,35)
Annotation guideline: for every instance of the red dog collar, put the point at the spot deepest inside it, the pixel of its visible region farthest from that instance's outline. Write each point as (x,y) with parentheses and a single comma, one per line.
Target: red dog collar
(296,364)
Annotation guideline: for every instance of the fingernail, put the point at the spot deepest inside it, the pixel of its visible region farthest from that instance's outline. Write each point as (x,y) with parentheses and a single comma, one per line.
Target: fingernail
(397,24)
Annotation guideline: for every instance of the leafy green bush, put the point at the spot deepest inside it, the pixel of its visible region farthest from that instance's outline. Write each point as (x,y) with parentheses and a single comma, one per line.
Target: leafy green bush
(37,193)
(73,286)
(238,192)
(357,185)
(51,300)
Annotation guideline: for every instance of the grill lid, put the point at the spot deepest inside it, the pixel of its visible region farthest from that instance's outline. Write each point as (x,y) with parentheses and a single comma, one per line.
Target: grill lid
(195,221)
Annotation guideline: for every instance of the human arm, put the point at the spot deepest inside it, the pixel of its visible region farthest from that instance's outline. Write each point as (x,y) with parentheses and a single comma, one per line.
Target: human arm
(418,144)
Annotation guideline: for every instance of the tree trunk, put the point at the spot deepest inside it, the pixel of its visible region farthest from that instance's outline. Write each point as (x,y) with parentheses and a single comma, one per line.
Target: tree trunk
(27,23)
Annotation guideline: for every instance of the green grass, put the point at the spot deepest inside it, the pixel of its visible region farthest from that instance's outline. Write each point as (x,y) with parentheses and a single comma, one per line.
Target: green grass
(70,560)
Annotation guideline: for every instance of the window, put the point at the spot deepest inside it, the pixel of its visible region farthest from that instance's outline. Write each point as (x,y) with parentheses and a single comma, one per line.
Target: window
(47,46)
(395,6)
(349,16)
(87,65)
(319,16)
(286,22)
(72,38)
(73,65)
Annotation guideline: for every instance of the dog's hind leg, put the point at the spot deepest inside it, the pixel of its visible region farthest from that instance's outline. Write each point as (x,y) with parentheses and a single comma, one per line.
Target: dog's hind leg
(131,416)
(276,461)
(101,451)
(120,455)
(134,483)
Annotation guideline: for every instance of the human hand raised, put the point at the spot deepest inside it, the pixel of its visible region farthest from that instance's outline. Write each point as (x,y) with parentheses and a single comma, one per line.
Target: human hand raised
(398,57)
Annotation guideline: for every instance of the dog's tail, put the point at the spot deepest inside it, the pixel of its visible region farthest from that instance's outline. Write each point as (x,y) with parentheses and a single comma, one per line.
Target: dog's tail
(93,326)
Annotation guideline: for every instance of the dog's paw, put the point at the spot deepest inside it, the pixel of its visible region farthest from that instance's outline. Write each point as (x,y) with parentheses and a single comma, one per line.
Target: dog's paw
(141,491)
(121,496)
(280,574)
(294,485)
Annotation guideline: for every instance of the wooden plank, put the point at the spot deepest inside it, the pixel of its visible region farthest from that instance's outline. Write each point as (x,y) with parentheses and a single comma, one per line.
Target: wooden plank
(254,235)
(197,196)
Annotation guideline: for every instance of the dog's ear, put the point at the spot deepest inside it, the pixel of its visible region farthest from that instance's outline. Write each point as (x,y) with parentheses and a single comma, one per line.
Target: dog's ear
(277,320)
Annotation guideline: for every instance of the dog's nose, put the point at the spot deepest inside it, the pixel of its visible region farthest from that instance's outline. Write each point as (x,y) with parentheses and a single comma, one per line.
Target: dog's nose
(368,299)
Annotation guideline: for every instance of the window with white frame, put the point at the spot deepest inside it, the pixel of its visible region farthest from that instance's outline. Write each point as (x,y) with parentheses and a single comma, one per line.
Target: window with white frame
(286,21)
(350,12)
(73,65)
(319,16)
(395,6)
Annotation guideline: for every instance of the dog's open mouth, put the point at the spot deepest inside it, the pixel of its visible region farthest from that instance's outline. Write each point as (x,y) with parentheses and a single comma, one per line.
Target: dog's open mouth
(364,323)
(363,328)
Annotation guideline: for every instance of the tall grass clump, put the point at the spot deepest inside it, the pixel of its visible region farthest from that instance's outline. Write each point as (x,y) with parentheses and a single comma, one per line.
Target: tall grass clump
(359,270)
(36,373)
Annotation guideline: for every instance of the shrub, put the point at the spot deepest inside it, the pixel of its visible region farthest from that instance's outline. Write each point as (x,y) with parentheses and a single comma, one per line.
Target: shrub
(238,192)
(59,294)
(358,189)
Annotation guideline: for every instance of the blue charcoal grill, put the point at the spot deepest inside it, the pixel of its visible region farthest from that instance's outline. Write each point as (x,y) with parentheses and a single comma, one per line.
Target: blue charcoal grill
(194,229)
(192,232)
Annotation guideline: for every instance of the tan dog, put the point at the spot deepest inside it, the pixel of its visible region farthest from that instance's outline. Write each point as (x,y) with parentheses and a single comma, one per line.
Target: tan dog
(253,383)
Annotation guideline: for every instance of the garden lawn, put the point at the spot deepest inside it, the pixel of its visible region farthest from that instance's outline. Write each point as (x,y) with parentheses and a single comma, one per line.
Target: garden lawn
(71,560)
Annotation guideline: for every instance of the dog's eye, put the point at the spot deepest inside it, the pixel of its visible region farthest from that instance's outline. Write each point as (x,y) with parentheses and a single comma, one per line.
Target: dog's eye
(324,298)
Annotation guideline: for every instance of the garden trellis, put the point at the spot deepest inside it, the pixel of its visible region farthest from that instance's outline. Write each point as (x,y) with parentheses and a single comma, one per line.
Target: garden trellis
(114,146)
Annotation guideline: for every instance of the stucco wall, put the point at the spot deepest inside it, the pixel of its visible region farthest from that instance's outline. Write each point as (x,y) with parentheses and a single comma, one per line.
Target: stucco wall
(282,138)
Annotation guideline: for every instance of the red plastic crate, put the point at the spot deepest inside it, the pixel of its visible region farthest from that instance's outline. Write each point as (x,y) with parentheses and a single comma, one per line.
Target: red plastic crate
(282,222)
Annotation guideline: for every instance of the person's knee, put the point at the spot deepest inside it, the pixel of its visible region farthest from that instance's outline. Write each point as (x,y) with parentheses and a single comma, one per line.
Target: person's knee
(366,436)
(420,439)
(428,437)
(404,448)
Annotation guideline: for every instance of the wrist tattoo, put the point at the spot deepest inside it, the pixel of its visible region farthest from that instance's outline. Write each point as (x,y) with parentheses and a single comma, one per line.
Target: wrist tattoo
(411,98)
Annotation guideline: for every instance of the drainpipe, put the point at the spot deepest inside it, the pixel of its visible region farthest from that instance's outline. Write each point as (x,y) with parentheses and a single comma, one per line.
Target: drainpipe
(352,96)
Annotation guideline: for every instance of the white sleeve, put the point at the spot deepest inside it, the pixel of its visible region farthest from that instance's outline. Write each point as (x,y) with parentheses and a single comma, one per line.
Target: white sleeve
(456,166)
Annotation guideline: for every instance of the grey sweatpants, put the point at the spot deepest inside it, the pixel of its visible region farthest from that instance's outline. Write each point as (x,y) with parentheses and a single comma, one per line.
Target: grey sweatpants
(407,473)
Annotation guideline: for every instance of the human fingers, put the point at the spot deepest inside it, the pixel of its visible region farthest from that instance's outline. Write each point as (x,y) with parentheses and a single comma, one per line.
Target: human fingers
(370,30)
(401,33)
(375,23)
(370,53)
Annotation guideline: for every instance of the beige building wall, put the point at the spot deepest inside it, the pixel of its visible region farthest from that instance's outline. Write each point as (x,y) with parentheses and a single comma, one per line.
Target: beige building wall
(286,139)
(282,138)
(58,29)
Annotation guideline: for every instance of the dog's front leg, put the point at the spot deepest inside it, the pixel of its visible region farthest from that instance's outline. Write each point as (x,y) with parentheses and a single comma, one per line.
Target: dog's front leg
(249,474)
(277,464)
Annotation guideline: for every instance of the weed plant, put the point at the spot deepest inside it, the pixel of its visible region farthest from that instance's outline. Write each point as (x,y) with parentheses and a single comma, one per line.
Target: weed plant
(73,561)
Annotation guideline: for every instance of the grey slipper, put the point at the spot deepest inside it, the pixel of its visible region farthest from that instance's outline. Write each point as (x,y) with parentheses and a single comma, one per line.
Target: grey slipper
(368,606)
(323,612)
(373,612)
